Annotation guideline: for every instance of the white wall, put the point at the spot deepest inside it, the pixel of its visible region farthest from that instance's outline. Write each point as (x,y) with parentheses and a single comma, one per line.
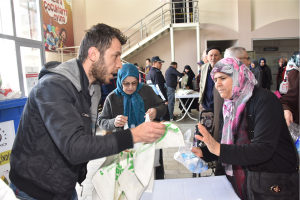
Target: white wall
(118,13)
(79,20)
(220,12)
(264,12)
(219,20)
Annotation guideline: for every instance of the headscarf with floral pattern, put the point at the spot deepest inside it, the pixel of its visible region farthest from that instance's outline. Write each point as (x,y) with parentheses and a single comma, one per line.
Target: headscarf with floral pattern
(242,89)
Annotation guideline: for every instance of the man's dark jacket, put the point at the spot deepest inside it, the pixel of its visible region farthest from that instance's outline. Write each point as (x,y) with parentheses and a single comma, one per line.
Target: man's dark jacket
(156,80)
(171,77)
(54,140)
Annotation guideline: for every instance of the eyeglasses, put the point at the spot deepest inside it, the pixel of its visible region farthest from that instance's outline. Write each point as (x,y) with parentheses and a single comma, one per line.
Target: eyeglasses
(248,58)
(126,84)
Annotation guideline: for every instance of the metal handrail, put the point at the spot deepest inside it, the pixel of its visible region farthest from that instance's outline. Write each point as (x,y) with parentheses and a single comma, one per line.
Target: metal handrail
(162,17)
(154,18)
(157,10)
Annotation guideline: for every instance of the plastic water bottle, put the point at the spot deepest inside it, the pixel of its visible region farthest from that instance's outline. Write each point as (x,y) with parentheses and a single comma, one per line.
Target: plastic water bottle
(294,131)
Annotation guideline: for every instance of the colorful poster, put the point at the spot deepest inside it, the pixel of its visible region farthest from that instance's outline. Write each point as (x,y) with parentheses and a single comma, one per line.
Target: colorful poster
(57,24)
(7,137)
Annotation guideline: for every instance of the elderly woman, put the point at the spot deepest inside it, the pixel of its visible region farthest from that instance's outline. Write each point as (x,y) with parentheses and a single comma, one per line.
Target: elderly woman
(191,75)
(281,72)
(129,103)
(256,70)
(292,70)
(255,147)
(267,75)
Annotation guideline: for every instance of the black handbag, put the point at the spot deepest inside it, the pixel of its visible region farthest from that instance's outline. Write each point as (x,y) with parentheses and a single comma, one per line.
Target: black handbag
(272,186)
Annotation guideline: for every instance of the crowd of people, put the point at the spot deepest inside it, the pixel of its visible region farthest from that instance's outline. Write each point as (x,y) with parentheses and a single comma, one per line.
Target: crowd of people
(250,140)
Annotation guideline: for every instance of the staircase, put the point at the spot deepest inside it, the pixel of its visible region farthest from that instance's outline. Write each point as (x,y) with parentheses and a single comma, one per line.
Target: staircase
(163,20)
(172,15)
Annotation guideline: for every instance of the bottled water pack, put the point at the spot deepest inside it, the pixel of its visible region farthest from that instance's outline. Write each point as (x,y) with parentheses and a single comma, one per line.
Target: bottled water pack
(186,157)
(294,131)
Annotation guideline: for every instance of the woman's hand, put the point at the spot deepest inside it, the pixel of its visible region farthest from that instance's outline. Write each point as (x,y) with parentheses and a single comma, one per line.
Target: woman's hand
(152,113)
(197,151)
(120,121)
(212,145)
(288,117)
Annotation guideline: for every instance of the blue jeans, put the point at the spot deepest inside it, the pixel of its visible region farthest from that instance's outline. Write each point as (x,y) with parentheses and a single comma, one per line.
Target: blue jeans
(23,196)
(171,98)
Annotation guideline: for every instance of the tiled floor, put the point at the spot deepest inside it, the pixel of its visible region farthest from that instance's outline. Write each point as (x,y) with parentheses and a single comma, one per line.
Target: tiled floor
(173,169)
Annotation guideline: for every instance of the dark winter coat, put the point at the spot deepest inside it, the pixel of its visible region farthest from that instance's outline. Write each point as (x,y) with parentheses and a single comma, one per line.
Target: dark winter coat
(54,140)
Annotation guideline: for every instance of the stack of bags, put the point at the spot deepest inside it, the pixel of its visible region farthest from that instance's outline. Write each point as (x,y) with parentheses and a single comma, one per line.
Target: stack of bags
(183,92)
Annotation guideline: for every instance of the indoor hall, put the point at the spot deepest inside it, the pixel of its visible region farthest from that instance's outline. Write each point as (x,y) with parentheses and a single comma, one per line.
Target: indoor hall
(34,32)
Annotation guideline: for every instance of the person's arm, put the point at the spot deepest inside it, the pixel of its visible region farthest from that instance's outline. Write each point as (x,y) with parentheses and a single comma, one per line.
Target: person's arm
(105,119)
(292,77)
(204,154)
(290,101)
(159,82)
(267,127)
(65,124)
(158,104)
(269,77)
(260,77)
(177,73)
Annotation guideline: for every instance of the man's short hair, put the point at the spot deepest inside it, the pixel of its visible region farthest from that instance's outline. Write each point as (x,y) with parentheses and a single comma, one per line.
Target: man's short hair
(234,52)
(213,47)
(148,59)
(99,36)
(173,63)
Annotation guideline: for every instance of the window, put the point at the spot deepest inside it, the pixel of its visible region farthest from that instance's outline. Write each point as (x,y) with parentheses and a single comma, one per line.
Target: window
(6,25)
(9,67)
(27,17)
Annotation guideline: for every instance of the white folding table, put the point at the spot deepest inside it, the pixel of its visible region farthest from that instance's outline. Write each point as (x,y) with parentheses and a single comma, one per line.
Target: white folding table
(201,188)
(194,95)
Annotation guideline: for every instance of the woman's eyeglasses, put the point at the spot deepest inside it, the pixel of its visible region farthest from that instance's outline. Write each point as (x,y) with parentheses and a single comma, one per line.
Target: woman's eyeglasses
(126,84)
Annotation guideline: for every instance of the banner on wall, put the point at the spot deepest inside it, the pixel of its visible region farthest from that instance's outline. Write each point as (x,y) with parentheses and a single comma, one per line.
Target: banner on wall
(57,24)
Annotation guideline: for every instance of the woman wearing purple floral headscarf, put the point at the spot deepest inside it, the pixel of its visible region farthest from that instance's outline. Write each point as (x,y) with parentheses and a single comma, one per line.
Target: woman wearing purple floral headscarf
(254,146)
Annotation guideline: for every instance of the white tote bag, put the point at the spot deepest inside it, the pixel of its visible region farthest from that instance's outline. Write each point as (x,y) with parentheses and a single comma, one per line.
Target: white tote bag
(128,174)
(284,87)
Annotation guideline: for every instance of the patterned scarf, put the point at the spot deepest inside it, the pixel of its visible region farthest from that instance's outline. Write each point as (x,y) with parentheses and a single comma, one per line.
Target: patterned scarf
(134,107)
(242,89)
(293,63)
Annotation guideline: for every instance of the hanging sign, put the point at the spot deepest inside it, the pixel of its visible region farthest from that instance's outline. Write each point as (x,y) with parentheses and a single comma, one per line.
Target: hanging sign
(271,49)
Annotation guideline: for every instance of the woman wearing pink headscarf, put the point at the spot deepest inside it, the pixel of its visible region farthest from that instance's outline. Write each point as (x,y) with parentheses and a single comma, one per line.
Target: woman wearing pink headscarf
(254,146)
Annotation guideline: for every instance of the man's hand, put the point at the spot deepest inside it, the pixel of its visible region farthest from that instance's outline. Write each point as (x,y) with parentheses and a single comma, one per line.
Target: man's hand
(288,117)
(120,121)
(152,113)
(212,145)
(167,102)
(147,132)
(197,151)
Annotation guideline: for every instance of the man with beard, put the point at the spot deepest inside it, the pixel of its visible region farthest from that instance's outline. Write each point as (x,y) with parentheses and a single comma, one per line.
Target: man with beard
(55,137)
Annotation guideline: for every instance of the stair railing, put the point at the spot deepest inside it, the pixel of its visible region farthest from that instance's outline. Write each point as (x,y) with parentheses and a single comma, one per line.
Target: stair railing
(168,13)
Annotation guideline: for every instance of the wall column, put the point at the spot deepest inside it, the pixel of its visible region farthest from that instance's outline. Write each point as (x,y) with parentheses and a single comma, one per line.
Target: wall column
(172,44)
(244,24)
(198,42)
